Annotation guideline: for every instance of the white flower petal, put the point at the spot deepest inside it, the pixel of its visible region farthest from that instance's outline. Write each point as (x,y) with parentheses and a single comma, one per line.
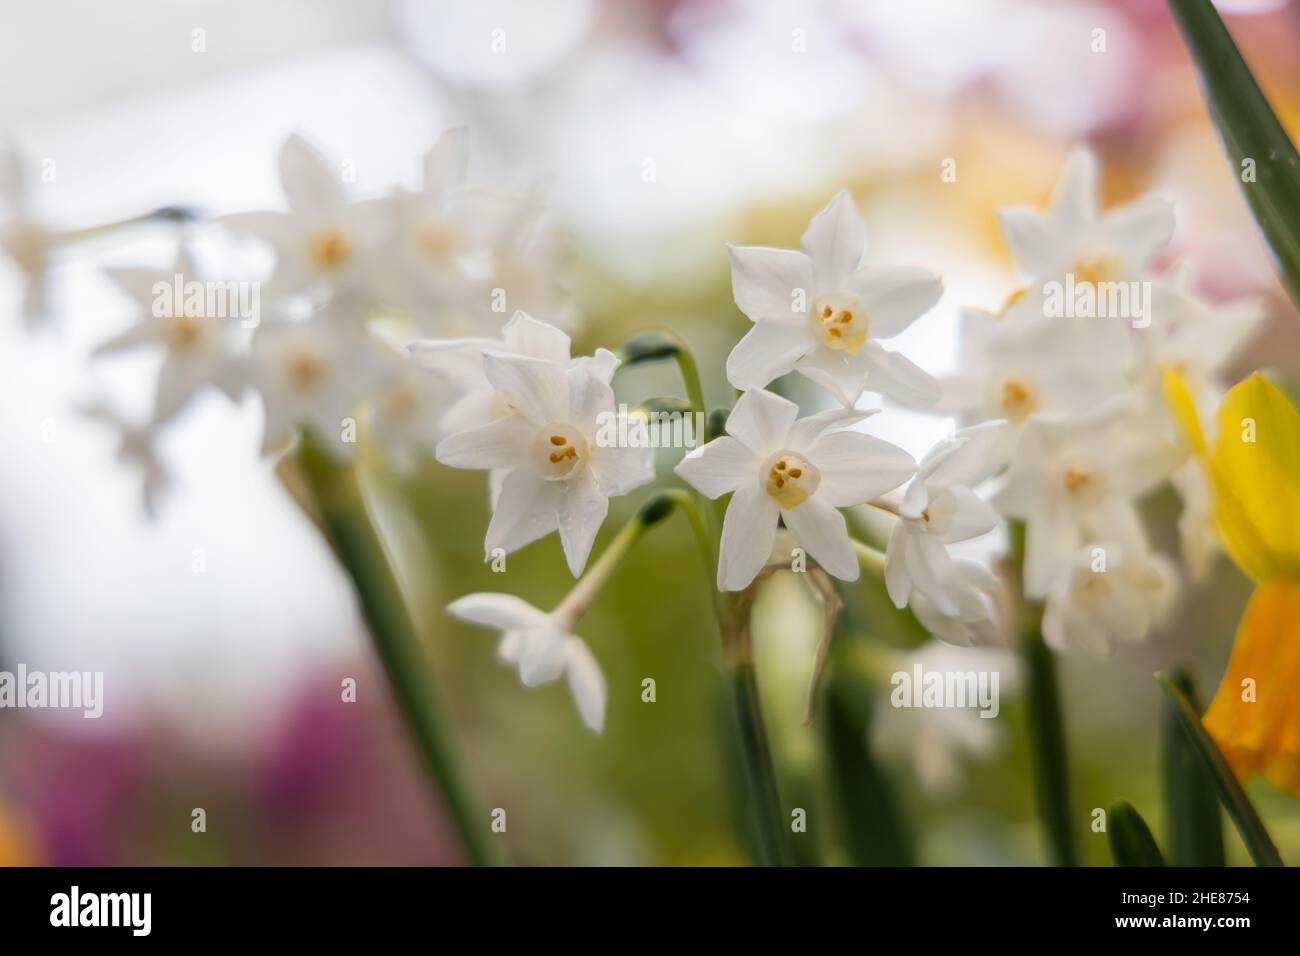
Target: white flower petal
(539,388)
(963,514)
(898,580)
(525,335)
(805,432)
(719,467)
(543,657)
(502,611)
(768,351)
(1032,240)
(933,572)
(1140,229)
(821,530)
(765,283)
(841,374)
(501,443)
(525,511)
(748,530)
(898,377)
(311,183)
(761,420)
(970,456)
(835,241)
(446,162)
(894,297)
(1074,199)
(581,512)
(586,683)
(855,467)
(1050,540)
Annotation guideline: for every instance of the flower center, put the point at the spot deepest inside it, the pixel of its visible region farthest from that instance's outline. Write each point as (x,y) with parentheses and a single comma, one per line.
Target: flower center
(791,478)
(437,239)
(305,369)
(1017,399)
(560,449)
(183,332)
(1099,268)
(329,248)
(1085,486)
(842,321)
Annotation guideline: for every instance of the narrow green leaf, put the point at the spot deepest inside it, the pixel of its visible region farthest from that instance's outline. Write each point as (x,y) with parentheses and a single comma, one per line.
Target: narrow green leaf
(1195,825)
(1234,799)
(1131,842)
(1252,135)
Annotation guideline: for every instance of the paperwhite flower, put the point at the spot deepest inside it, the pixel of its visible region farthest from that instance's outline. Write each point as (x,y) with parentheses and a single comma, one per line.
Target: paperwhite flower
(1108,594)
(193,344)
(434,231)
(542,648)
(405,413)
(821,313)
(558,475)
(313,375)
(460,362)
(324,242)
(798,471)
(1022,364)
(972,623)
(939,508)
(136,449)
(1073,237)
(1075,480)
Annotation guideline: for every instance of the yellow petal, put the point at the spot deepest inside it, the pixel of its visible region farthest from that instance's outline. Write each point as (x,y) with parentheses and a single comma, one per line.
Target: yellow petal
(1183,407)
(1255,715)
(1255,469)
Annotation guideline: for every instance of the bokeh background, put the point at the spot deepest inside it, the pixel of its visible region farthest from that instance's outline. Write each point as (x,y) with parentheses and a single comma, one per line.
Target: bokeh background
(655,131)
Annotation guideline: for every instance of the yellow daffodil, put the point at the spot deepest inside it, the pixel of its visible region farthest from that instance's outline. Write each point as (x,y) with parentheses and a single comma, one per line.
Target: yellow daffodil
(1253,464)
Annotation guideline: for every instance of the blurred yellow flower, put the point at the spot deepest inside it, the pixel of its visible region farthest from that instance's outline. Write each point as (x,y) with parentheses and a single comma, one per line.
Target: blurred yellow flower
(1254,470)
(15,848)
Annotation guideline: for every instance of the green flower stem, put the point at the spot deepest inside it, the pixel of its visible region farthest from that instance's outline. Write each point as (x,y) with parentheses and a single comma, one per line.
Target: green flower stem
(334,497)
(869,558)
(1046,726)
(660,347)
(1194,828)
(172,214)
(1131,842)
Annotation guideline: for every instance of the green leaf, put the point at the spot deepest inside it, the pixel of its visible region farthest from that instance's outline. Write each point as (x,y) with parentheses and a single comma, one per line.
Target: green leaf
(1131,842)
(1234,799)
(1250,131)
(1195,826)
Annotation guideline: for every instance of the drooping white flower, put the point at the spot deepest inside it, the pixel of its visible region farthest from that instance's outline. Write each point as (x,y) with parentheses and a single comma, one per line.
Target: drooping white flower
(560,473)
(137,450)
(799,471)
(1108,594)
(541,646)
(972,622)
(314,375)
(194,345)
(1075,480)
(821,313)
(940,508)
(324,242)
(1075,238)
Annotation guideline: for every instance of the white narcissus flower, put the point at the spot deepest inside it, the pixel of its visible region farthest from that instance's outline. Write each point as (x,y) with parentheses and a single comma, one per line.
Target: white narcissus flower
(324,242)
(558,474)
(1020,364)
(460,361)
(1108,594)
(799,471)
(313,375)
(821,313)
(194,344)
(1075,480)
(541,646)
(972,622)
(940,508)
(405,412)
(1075,238)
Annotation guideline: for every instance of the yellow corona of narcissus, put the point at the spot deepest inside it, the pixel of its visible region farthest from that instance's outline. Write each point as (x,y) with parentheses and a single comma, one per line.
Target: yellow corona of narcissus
(1253,464)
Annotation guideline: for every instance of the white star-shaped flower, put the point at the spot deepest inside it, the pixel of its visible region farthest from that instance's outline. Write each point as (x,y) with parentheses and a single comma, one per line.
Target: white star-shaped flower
(542,648)
(799,471)
(1075,238)
(194,344)
(1108,594)
(940,508)
(821,312)
(1075,480)
(559,471)
(325,242)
